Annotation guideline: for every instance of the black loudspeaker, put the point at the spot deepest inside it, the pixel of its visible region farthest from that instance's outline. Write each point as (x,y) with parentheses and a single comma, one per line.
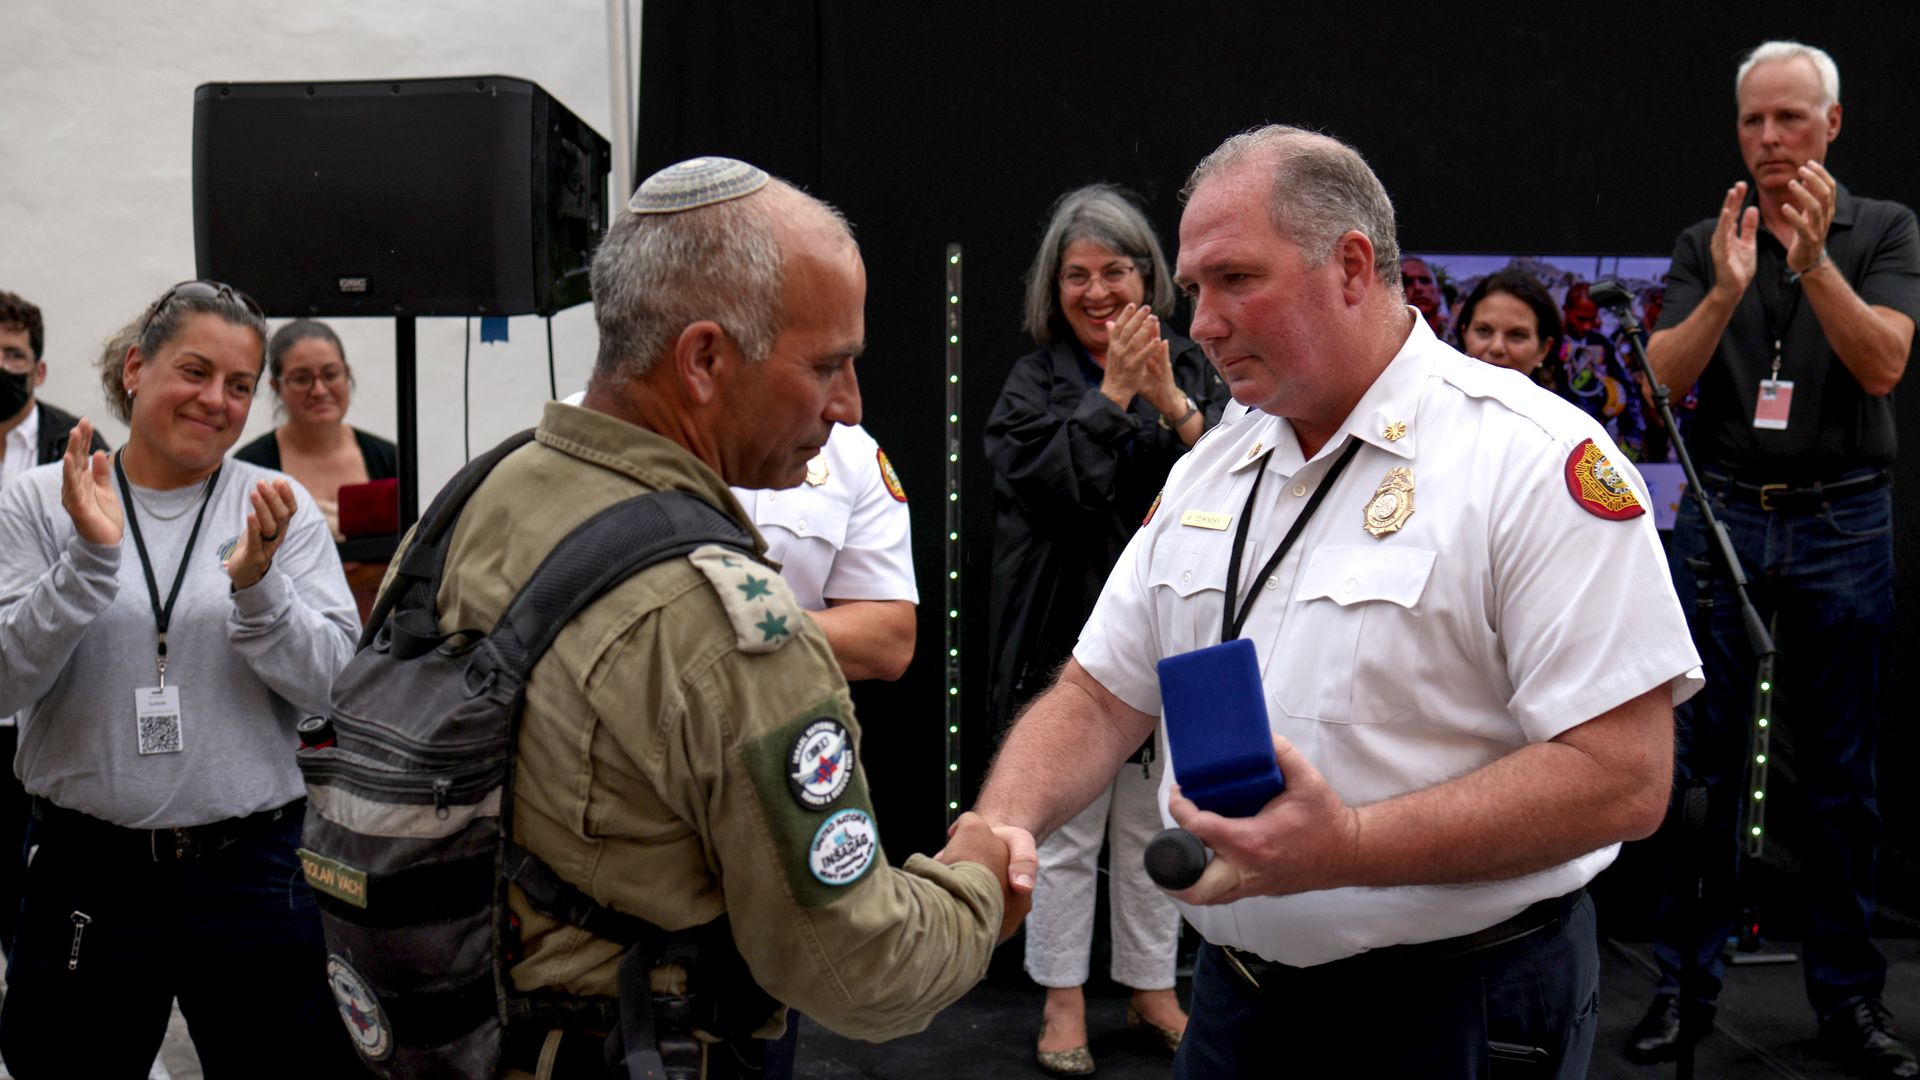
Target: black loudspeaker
(464,196)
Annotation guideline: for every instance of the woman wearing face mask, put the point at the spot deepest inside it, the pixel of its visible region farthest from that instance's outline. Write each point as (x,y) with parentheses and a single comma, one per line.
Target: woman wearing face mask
(166,617)
(1081,440)
(1510,320)
(309,374)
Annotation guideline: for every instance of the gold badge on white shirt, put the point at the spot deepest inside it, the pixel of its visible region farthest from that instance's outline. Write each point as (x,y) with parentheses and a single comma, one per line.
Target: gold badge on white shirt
(1392,502)
(817,470)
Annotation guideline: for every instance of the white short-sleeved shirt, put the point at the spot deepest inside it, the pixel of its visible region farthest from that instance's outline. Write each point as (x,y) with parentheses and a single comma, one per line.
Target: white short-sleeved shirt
(1502,612)
(843,532)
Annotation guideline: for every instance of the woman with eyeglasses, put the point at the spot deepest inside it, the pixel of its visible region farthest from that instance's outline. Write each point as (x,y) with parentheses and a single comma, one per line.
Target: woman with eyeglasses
(1081,440)
(166,618)
(308,370)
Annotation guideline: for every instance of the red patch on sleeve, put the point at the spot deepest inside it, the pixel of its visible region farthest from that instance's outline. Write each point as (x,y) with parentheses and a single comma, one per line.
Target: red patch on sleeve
(1596,484)
(1152,510)
(889,477)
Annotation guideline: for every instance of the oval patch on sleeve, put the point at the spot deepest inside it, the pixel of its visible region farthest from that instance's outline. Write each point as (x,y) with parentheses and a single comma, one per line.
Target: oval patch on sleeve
(1596,484)
(889,477)
(843,848)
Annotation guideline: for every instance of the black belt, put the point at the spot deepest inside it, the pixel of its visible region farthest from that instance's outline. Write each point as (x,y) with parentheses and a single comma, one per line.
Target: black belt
(108,840)
(1543,916)
(1797,499)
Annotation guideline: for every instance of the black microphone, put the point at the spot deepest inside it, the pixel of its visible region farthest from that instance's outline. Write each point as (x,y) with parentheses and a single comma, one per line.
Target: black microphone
(1176,858)
(1610,294)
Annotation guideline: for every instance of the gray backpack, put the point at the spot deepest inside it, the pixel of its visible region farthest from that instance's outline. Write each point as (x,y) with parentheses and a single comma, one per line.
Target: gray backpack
(407,842)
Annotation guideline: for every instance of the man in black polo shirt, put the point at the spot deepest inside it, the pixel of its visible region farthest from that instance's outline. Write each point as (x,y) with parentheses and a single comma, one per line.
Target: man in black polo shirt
(1795,310)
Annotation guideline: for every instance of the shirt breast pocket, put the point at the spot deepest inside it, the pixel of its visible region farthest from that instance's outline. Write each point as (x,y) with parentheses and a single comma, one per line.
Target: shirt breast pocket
(1188,582)
(1351,643)
(806,513)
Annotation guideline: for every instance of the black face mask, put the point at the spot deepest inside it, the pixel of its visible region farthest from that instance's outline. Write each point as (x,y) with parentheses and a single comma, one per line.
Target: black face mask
(15,392)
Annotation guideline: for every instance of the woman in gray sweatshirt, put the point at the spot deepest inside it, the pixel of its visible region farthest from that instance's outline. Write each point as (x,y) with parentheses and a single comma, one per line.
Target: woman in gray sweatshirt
(166,618)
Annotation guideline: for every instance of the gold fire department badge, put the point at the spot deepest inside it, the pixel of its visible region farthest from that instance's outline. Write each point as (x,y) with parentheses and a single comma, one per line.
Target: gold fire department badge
(1392,503)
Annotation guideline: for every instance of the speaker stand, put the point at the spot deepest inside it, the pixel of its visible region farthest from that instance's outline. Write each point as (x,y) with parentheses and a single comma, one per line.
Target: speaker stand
(406,365)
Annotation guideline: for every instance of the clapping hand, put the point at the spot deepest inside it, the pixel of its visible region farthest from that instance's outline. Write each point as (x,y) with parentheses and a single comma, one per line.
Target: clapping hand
(1138,361)
(1809,209)
(273,506)
(86,489)
(1734,241)
(1008,851)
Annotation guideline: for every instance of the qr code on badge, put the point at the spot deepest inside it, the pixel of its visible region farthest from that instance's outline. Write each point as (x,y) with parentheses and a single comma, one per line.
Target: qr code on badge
(160,733)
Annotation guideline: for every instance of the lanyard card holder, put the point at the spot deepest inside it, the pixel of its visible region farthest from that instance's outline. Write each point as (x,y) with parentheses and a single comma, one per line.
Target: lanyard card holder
(1217,733)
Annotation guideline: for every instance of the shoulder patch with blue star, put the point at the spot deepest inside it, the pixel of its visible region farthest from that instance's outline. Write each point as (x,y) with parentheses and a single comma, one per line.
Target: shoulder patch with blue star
(760,607)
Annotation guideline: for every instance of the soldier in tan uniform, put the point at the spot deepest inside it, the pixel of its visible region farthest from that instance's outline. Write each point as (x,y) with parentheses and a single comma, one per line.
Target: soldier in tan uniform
(688,748)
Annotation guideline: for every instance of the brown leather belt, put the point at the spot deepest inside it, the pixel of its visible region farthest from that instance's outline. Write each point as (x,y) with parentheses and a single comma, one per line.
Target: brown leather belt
(1796,499)
(1549,914)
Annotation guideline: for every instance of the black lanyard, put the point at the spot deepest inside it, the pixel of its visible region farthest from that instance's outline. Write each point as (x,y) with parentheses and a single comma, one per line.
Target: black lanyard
(1230,624)
(162,616)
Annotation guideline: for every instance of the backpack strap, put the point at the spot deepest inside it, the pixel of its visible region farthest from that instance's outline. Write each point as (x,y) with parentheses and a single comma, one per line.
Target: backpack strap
(416,579)
(601,552)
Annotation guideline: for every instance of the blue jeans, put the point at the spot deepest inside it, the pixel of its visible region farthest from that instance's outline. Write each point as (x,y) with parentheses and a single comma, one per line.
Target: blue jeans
(234,934)
(1828,575)
(1434,1021)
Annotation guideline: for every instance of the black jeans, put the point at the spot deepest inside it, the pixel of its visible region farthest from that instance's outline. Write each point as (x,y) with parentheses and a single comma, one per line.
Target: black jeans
(234,934)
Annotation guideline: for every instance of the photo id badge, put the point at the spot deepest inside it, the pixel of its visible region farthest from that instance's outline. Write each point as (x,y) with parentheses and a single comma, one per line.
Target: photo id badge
(1776,398)
(156,711)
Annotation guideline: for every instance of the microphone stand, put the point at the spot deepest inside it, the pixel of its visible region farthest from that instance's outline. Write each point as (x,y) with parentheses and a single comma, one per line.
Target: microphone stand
(1720,544)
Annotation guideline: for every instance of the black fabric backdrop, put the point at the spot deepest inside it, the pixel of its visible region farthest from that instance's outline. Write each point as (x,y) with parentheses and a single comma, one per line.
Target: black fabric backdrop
(1505,129)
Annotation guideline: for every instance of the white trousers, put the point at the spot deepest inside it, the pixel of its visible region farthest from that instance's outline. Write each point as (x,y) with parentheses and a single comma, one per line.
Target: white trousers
(1145,925)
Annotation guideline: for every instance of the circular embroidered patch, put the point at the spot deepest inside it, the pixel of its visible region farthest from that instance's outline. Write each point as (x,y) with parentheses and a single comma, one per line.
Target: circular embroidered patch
(359,1010)
(820,764)
(843,848)
(1596,484)
(889,477)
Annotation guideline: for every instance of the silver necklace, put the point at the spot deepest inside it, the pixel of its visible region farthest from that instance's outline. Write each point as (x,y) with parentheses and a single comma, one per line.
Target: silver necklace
(157,515)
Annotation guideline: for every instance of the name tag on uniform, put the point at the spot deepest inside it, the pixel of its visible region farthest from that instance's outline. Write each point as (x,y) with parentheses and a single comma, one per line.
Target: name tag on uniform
(1206,519)
(156,711)
(1776,398)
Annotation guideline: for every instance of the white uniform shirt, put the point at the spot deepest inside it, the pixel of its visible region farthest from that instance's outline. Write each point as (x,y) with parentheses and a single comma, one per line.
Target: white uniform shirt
(1502,612)
(847,535)
(22,447)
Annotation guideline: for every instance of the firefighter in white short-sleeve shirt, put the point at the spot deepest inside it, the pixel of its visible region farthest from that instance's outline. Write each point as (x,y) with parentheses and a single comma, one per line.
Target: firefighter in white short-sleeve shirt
(1456,596)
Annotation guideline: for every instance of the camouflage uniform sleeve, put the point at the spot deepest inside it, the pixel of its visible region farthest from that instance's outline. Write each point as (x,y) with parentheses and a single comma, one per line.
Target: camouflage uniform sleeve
(764,763)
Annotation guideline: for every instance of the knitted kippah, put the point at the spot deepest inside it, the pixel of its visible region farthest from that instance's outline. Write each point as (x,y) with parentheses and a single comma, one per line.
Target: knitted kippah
(696,182)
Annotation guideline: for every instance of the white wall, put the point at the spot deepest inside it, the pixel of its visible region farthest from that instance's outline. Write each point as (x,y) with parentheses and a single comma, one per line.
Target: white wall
(96,205)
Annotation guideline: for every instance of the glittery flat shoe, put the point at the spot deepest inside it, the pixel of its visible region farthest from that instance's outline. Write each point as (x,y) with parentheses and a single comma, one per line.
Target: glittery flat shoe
(1137,1021)
(1075,1062)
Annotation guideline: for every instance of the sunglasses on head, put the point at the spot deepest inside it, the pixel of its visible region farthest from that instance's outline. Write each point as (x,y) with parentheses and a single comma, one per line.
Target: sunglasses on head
(205,290)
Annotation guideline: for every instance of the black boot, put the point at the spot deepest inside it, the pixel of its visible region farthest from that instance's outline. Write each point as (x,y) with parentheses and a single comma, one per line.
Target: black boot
(1658,1035)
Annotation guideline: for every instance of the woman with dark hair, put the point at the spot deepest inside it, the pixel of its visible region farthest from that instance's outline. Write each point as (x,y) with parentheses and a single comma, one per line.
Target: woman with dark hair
(1081,441)
(166,618)
(1510,320)
(308,370)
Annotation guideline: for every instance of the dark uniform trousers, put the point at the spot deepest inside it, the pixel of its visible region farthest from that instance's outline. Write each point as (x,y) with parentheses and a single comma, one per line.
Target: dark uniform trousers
(1520,1010)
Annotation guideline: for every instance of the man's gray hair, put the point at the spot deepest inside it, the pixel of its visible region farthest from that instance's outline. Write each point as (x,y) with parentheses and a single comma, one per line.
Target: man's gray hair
(1321,189)
(1770,51)
(655,274)
(1106,215)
